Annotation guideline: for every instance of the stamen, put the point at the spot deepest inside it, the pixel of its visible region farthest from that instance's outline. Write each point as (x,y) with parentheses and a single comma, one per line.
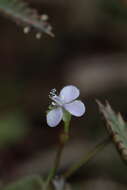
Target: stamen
(53,103)
(56,99)
(53,92)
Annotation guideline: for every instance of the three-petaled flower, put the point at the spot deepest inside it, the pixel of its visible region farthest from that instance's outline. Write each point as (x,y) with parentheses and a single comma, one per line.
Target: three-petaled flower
(65,101)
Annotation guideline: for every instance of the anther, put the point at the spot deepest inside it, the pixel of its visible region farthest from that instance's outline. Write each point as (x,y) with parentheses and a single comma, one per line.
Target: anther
(52,94)
(53,90)
(53,103)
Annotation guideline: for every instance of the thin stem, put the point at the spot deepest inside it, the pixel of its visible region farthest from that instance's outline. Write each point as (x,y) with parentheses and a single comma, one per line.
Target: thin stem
(98,148)
(63,139)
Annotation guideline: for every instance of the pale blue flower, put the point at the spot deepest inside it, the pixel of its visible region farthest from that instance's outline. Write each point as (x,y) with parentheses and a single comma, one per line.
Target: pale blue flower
(66,100)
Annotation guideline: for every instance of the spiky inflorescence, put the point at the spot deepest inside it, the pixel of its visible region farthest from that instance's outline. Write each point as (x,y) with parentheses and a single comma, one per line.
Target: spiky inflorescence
(21,13)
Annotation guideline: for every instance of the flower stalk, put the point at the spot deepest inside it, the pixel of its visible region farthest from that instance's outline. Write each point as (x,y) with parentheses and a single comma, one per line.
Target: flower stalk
(64,136)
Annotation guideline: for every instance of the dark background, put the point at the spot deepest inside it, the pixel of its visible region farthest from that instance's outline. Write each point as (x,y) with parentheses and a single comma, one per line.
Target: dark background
(89,51)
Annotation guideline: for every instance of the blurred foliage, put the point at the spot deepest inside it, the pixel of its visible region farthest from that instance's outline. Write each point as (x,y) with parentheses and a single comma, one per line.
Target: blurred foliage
(35,182)
(20,12)
(28,183)
(13,127)
(115,9)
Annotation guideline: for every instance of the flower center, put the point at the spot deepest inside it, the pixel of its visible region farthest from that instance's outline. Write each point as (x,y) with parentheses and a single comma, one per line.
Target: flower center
(56,99)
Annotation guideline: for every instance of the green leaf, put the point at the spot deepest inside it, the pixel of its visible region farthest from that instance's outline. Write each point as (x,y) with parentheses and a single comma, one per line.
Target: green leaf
(28,183)
(22,14)
(116,127)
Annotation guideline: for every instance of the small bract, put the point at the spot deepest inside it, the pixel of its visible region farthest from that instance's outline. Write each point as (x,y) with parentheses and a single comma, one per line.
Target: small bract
(65,101)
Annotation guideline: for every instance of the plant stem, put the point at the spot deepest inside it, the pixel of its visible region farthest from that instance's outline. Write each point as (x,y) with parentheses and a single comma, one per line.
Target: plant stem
(63,139)
(90,155)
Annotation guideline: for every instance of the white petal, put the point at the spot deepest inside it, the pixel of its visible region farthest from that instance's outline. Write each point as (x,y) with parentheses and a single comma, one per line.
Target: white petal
(69,93)
(54,117)
(76,108)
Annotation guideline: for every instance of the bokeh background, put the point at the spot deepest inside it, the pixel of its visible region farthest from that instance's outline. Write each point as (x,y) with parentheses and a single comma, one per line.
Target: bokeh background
(90,51)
